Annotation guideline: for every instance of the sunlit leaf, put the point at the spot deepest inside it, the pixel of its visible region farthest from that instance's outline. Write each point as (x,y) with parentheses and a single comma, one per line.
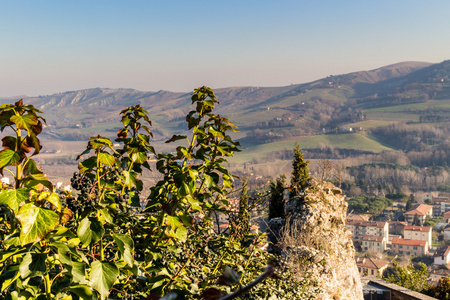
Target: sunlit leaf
(90,231)
(106,158)
(126,247)
(13,197)
(36,222)
(82,291)
(9,157)
(103,276)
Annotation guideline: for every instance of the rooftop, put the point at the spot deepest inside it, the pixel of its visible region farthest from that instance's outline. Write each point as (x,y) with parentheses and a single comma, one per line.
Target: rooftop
(367,262)
(442,251)
(400,241)
(417,228)
(421,210)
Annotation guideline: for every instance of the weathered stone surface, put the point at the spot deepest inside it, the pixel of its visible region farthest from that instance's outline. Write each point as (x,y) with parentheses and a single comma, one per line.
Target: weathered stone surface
(321,241)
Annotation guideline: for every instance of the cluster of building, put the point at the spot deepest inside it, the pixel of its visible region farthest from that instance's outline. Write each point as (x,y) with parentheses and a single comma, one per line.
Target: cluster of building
(402,238)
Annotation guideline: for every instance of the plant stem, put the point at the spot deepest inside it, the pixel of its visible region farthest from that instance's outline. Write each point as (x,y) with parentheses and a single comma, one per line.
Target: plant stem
(48,287)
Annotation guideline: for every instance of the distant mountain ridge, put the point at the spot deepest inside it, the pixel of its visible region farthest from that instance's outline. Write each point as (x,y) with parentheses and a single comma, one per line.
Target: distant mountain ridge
(264,114)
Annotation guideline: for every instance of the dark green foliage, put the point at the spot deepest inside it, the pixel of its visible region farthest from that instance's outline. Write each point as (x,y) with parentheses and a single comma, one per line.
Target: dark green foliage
(300,172)
(444,188)
(95,243)
(276,198)
(412,278)
(367,204)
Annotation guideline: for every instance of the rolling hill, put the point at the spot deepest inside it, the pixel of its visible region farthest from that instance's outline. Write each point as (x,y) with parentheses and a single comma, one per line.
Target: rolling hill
(339,111)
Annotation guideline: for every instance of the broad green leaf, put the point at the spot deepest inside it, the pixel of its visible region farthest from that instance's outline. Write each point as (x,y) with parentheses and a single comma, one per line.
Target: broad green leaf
(106,158)
(13,197)
(105,216)
(90,231)
(103,276)
(100,142)
(180,233)
(33,264)
(25,122)
(174,222)
(78,272)
(215,132)
(30,183)
(9,158)
(30,169)
(36,222)
(63,252)
(126,247)
(87,164)
(54,199)
(82,291)
(139,157)
(130,179)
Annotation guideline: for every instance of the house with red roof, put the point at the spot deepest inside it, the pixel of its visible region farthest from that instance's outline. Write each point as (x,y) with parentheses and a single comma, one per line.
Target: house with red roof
(422,233)
(421,212)
(370,266)
(409,247)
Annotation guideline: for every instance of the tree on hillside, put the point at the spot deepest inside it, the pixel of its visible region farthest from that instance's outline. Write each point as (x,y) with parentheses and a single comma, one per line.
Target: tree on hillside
(276,200)
(300,172)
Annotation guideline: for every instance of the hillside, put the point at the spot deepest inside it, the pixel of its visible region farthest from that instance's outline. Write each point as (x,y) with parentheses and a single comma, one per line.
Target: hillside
(339,111)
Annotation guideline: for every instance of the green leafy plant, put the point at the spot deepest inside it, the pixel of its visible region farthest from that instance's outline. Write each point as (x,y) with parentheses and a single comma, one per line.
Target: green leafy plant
(96,242)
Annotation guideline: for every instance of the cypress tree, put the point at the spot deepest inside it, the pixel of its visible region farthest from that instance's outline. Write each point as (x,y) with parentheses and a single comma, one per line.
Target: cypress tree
(300,172)
(276,200)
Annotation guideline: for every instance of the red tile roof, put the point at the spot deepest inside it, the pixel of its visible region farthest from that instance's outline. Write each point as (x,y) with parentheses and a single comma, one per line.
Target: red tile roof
(417,228)
(400,241)
(447,214)
(367,262)
(420,210)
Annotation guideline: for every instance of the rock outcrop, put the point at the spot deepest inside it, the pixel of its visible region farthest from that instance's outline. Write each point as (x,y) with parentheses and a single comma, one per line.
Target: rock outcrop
(318,244)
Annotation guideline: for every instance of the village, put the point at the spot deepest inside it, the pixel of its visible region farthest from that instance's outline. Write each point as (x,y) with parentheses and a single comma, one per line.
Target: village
(418,235)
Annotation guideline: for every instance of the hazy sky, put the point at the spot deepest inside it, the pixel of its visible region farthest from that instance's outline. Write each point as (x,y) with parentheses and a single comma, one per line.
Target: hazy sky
(56,46)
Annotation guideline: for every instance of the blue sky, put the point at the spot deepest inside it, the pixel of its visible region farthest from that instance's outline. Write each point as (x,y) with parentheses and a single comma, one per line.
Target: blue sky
(55,46)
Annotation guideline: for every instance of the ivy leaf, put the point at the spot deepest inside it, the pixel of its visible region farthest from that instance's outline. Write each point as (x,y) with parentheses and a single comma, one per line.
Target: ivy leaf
(90,231)
(30,169)
(176,137)
(9,157)
(55,201)
(87,164)
(78,272)
(130,179)
(29,182)
(103,276)
(106,158)
(13,197)
(36,222)
(25,122)
(139,157)
(82,291)
(126,246)
(179,234)
(33,264)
